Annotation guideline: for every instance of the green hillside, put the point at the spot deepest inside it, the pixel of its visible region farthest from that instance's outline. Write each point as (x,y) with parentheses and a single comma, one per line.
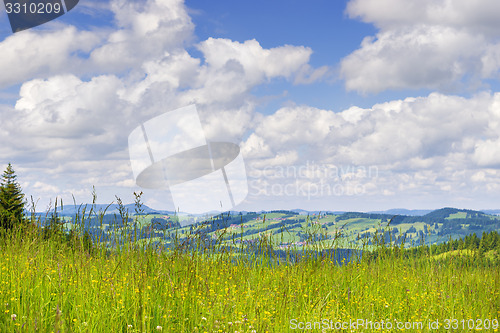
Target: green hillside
(348,230)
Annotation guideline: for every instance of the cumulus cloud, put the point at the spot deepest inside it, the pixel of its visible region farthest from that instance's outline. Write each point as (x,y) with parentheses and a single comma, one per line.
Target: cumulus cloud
(481,15)
(258,63)
(144,31)
(487,153)
(141,31)
(66,117)
(420,57)
(232,69)
(75,126)
(32,54)
(444,45)
(419,145)
(295,125)
(75,112)
(56,114)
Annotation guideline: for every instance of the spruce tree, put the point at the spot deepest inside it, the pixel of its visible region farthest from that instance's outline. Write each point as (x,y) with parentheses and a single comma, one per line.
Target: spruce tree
(11,200)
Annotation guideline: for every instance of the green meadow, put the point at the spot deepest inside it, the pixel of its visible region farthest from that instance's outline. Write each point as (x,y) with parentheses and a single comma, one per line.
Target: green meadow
(52,281)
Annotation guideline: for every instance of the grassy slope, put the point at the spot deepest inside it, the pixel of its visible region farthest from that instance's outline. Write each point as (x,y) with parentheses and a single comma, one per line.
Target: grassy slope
(349,228)
(49,287)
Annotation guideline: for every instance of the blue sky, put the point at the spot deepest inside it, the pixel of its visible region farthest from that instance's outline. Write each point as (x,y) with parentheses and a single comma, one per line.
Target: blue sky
(336,105)
(323,26)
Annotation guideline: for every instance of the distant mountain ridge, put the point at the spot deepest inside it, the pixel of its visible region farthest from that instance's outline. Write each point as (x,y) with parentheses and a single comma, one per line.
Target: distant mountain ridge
(70,210)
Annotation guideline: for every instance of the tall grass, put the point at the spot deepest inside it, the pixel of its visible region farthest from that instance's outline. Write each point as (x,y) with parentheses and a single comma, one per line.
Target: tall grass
(57,284)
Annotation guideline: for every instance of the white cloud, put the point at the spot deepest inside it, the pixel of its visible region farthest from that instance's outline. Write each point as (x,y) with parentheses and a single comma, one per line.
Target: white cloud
(444,45)
(72,129)
(256,147)
(257,63)
(31,54)
(295,126)
(145,30)
(487,153)
(67,107)
(282,158)
(223,124)
(142,31)
(419,146)
(481,15)
(232,69)
(308,74)
(47,188)
(420,57)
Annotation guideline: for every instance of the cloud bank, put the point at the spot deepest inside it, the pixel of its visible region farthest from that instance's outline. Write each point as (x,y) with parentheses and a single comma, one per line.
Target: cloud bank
(438,45)
(83,91)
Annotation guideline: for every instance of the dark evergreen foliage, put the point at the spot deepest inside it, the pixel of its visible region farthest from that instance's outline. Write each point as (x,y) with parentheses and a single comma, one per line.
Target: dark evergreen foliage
(11,200)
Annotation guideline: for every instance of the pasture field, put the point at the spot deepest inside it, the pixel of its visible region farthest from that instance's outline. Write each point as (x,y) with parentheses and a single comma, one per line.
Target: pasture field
(58,284)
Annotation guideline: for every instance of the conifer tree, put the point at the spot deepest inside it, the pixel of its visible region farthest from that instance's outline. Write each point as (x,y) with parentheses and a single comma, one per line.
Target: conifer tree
(11,200)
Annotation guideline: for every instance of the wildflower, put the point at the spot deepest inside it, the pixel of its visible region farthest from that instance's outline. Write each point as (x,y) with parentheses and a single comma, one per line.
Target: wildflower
(13,316)
(159,328)
(129,326)
(203,318)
